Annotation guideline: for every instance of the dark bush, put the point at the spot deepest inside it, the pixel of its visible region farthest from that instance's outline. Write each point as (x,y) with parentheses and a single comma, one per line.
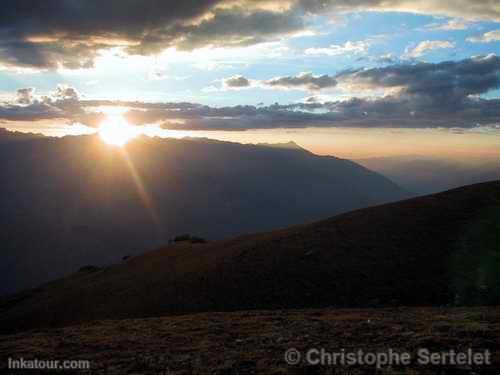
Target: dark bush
(198,240)
(182,237)
(188,237)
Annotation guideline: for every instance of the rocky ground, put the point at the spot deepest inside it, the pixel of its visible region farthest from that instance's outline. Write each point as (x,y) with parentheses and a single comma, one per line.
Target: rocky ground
(256,341)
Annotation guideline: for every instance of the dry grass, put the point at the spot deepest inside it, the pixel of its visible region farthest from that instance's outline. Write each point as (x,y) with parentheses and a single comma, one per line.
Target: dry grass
(255,341)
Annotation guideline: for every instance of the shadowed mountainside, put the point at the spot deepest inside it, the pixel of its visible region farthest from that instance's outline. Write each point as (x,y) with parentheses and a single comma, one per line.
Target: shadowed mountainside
(432,250)
(72,201)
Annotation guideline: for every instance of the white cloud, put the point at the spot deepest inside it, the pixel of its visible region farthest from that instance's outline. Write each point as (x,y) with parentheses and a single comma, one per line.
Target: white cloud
(237,82)
(429,45)
(452,24)
(490,36)
(348,48)
(387,58)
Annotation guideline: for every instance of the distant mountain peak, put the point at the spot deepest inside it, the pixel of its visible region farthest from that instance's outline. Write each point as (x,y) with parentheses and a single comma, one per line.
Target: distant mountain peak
(291,145)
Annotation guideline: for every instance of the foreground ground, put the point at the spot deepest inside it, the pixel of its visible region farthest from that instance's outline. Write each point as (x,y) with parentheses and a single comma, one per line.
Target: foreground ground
(256,341)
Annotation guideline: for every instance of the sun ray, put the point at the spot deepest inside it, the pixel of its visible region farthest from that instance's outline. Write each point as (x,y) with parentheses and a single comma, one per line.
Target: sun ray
(142,192)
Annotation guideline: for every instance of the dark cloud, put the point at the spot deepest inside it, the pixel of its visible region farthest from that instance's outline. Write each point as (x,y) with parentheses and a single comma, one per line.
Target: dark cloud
(390,111)
(306,81)
(61,33)
(70,34)
(445,86)
(25,96)
(33,112)
(48,55)
(234,28)
(64,92)
(236,82)
(63,103)
(91,119)
(466,9)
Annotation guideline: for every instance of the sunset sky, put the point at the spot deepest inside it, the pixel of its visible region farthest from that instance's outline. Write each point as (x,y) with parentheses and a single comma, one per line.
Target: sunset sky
(381,78)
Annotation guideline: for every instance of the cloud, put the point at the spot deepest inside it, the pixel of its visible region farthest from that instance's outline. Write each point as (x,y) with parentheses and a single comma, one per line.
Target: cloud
(388,58)
(237,82)
(446,94)
(231,28)
(65,92)
(452,24)
(449,81)
(429,45)
(305,80)
(63,103)
(71,34)
(348,48)
(90,119)
(465,9)
(32,112)
(25,96)
(390,111)
(302,81)
(488,37)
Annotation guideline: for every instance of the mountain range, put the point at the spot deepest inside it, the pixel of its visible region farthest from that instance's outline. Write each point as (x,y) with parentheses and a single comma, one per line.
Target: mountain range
(74,201)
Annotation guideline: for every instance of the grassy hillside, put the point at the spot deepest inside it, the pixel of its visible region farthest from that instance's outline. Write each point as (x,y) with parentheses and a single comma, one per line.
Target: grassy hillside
(433,250)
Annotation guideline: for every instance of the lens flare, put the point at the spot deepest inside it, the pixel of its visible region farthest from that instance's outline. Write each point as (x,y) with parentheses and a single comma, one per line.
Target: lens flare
(116,131)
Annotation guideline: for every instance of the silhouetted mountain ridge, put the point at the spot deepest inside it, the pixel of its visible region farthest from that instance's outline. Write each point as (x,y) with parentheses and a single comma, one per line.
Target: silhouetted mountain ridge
(71,201)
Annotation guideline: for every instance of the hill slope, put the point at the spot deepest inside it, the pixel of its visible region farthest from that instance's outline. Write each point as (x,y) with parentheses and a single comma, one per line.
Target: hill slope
(425,251)
(74,201)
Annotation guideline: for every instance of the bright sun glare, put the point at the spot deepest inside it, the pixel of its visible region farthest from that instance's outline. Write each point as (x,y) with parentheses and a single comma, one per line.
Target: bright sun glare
(116,131)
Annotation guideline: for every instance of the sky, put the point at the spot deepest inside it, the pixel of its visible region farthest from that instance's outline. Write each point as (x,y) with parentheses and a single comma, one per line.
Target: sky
(351,79)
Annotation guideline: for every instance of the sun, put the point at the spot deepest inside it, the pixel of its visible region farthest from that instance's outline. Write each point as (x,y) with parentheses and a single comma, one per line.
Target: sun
(116,131)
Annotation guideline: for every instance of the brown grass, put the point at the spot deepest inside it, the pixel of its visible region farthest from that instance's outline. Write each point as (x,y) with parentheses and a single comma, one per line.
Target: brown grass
(255,341)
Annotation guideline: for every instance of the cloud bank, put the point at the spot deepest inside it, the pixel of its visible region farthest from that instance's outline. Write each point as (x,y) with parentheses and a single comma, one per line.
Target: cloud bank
(70,34)
(446,94)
